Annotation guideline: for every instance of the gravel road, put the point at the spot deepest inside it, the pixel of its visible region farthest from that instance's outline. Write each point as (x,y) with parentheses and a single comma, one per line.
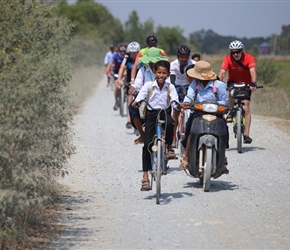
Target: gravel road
(247,209)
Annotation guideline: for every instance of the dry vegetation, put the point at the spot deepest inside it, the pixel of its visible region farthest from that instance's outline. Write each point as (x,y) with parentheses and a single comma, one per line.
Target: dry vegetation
(84,82)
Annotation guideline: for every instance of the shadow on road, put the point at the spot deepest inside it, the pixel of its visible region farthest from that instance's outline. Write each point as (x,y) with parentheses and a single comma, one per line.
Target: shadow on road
(247,149)
(168,197)
(72,222)
(215,185)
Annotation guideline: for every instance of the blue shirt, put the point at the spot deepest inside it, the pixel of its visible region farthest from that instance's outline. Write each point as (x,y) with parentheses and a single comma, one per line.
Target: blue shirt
(117,61)
(207,93)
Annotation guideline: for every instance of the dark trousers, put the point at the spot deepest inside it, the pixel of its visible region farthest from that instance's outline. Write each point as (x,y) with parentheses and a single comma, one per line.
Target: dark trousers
(150,131)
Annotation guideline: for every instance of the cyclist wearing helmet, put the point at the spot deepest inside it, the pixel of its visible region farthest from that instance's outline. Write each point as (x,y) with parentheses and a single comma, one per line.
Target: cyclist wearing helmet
(178,78)
(126,67)
(151,41)
(241,67)
(117,61)
(108,57)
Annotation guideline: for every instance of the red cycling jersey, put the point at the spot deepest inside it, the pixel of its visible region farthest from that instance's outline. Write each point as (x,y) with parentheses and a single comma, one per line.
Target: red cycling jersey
(237,73)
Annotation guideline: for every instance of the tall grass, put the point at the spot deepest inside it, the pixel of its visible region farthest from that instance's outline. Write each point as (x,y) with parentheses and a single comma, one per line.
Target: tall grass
(274,98)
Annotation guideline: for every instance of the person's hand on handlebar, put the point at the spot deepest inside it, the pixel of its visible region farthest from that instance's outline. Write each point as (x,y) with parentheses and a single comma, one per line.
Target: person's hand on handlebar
(253,86)
(185,105)
(131,89)
(134,104)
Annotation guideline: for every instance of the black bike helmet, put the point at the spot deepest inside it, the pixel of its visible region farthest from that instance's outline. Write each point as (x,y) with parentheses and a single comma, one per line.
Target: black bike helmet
(182,50)
(151,39)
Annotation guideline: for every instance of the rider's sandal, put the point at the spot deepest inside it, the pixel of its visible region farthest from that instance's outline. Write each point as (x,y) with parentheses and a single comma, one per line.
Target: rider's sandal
(171,154)
(247,139)
(138,141)
(128,125)
(145,185)
(183,163)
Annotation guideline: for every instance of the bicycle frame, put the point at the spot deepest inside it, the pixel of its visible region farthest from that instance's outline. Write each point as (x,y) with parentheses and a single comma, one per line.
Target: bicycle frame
(239,123)
(159,154)
(181,128)
(159,161)
(239,91)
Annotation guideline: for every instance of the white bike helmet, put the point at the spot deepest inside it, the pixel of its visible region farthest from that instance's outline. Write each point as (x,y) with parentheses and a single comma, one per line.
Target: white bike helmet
(133,47)
(236,45)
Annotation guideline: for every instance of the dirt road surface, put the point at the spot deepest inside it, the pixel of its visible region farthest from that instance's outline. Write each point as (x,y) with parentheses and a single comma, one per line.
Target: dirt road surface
(105,209)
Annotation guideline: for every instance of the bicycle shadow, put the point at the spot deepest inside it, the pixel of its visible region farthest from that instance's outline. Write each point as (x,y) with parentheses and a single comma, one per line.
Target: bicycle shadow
(215,185)
(166,198)
(247,149)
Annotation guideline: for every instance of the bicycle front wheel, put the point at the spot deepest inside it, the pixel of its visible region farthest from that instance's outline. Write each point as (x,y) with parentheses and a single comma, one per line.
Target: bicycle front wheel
(239,130)
(183,128)
(158,171)
(122,100)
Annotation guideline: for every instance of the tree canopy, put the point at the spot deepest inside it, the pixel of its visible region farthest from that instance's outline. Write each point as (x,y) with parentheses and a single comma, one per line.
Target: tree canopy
(94,20)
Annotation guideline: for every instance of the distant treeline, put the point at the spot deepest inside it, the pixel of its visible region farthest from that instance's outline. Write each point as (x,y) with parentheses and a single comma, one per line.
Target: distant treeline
(95,21)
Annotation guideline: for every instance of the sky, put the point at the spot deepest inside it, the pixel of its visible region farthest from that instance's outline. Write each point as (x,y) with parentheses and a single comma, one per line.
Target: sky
(246,18)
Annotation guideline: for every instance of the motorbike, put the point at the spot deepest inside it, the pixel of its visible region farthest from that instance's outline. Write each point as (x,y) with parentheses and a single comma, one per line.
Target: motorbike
(208,142)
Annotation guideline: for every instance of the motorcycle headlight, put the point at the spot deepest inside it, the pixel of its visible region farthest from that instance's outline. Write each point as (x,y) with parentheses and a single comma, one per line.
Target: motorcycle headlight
(206,107)
(210,107)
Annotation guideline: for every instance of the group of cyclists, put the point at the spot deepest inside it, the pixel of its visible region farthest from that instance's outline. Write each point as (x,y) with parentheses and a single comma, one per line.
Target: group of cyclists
(153,77)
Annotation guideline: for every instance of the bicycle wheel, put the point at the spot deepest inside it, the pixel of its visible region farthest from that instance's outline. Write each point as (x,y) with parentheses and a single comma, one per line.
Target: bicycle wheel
(183,128)
(207,169)
(122,100)
(239,130)
(158,171)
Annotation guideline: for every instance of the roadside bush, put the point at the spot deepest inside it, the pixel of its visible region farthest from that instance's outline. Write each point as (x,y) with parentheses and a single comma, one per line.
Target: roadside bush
(35,110)
(266,71)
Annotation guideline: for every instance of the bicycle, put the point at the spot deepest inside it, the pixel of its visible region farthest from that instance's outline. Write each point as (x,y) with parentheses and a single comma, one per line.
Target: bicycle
(159,155)
(183,117)
(239,91)
(122,95)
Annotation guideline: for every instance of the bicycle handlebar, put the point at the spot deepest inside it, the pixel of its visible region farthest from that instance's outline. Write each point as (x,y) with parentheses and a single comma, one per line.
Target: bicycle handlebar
(147,103)
(246,86)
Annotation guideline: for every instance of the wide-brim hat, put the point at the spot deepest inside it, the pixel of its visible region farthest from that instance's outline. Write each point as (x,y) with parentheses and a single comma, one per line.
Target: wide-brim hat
(152,55)
(202,71)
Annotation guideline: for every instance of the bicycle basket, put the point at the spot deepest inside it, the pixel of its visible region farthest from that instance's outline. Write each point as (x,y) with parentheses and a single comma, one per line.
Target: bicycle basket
(239,90)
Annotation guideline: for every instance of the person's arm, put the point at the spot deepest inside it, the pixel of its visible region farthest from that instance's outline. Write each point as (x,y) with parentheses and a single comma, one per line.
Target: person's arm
(222,93)
(143,94)
(106,61)
(172,79)
(173,94)
(120,74)
(221,74)
(134,70)
(254,78)
(108,69)
(190,93)
(140,79)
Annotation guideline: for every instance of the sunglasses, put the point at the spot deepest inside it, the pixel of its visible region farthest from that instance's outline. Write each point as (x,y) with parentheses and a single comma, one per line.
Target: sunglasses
(236,52)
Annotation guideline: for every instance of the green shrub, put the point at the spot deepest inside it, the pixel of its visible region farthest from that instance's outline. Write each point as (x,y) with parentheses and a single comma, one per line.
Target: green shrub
(266,71)
(35,111)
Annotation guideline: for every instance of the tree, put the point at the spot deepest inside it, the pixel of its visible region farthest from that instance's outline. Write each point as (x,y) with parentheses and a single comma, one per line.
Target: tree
(94,20)
(133,30)
(169,38)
